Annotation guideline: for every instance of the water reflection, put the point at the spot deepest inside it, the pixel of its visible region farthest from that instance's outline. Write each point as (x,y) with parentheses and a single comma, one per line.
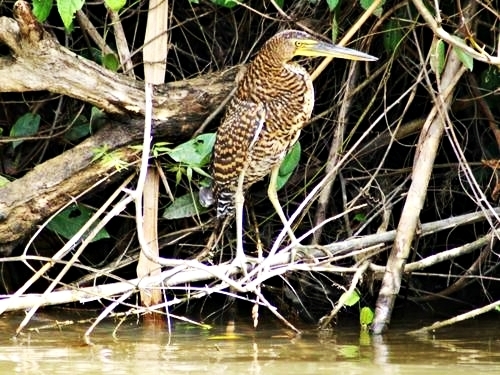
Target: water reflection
(472,347)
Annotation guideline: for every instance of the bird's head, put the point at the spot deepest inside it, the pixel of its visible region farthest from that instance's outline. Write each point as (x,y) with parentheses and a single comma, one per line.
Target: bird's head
(290,43)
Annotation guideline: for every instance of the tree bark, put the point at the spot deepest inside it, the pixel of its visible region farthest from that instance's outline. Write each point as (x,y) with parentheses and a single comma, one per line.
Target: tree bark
(38,62)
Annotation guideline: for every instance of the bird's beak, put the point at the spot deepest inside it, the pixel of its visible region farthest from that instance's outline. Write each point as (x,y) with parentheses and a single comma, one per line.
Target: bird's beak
(314,48)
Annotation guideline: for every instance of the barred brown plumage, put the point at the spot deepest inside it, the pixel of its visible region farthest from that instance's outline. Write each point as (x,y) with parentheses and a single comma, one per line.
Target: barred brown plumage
(273,101)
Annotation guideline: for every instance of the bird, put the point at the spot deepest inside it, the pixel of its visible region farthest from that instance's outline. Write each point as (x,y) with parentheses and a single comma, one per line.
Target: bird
(274,99)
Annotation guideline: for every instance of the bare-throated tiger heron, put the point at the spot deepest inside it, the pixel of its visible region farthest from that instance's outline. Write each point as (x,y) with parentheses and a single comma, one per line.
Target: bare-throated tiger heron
(273,101)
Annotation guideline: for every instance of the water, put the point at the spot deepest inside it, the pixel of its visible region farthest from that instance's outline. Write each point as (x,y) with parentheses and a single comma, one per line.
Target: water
(471,347)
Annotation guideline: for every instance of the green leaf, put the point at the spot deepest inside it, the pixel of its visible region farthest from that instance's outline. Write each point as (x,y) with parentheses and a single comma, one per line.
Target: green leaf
(41,9)
(393,35)
(25,126)
(332,4)
(463,56)
(67,10)
(81,128)
(225,3)
(115,5)
(3,181)
(68,222)
(195,152)
(366,316)
(288,165)
(350,299)
(111,62)
(438,55)
(280,3)
(365,4)
(360,218)
(182,207)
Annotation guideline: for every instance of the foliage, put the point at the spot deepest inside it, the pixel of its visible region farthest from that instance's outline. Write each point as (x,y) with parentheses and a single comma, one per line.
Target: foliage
(67,9)
(366,316)
(350,298)
(25,126)
(69,221)
(288,165)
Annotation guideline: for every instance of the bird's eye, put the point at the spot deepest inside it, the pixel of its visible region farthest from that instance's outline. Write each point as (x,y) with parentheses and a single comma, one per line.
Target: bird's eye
(298,44)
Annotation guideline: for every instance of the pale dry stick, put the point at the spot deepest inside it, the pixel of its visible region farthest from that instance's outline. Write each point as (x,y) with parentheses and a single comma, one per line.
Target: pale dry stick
(115,211)
(163,178)
(304,267)
(468,276)
(352,30)
(428,145)
(441,257)
(155,53)
(479,197)
(122,44)
(264,264)
(67,247)
(90,29)
(326,320)
(104,314)
(275,311)
(198,272)
(280,264)
(150,196)
(335,145)
(450,39)
(324,180)
(456,319)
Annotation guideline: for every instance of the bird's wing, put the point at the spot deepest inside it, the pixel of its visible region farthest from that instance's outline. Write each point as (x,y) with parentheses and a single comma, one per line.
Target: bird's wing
(236,136)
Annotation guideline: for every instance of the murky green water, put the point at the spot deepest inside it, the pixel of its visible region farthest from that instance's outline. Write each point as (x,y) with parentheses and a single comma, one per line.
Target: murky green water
(470,348)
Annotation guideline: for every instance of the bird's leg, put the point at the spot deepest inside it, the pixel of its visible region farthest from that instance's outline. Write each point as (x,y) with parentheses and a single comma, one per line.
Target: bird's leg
(239,200)
(273,197)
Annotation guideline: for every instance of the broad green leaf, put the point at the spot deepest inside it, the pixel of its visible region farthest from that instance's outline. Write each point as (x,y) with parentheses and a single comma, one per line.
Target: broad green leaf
(25,126)
(67,10)
(182,207)
(195,152)
(288,165)
(463,56)
(365,4)
(110,62)
(350,299)
(280,3)
(438,55)
(332,4)
(81,128)
(393,36)
(41,9)
(69,221)
(366,316)
(115,5)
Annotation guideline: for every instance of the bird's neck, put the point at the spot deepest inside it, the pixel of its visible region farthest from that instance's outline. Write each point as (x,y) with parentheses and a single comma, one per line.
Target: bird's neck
(264,73)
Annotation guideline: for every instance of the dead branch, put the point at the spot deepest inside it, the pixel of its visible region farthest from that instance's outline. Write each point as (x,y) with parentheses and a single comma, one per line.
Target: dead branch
(39,62)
